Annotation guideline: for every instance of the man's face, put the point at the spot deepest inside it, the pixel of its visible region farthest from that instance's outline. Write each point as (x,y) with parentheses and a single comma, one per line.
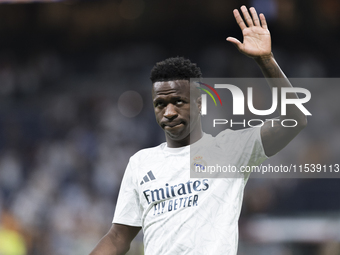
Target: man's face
(171,100)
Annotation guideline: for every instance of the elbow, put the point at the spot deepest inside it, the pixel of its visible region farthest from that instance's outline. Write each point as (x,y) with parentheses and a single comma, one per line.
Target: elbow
(302,122)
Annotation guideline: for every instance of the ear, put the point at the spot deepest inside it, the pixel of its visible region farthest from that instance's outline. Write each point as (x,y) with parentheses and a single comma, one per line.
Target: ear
(199,103)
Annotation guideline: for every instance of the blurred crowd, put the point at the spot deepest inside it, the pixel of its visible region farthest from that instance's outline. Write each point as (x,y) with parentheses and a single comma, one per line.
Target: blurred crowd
(69,121)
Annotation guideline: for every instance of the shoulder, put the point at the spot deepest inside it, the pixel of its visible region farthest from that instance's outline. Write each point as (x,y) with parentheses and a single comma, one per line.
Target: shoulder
(147,152)
(239,138)
(245,132)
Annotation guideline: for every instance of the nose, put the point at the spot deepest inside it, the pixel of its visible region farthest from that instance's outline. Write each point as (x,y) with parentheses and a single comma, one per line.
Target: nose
(170,112)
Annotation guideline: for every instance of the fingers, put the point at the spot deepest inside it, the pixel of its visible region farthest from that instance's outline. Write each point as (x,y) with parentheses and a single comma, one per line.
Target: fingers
(263,21)
(239,19)
(254,16)
(246,16)
(249,20)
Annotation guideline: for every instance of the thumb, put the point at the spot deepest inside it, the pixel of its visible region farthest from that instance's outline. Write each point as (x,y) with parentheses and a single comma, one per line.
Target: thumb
(234,41)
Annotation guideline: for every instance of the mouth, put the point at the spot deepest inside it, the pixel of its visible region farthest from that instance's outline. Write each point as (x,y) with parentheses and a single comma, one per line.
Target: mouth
(172,125)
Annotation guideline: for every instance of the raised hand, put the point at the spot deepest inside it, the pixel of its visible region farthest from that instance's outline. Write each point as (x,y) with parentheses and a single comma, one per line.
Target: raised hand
(256,36)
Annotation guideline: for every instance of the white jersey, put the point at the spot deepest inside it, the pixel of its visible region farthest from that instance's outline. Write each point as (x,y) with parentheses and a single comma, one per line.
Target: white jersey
(180,215)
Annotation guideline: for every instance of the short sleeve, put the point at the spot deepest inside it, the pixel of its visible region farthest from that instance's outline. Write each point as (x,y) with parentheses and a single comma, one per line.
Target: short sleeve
(245,145)
(128,210)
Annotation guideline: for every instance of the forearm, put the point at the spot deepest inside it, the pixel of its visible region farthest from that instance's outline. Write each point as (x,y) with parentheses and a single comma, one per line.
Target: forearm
(276,78)
(270,68)
(109,246)
(117,240)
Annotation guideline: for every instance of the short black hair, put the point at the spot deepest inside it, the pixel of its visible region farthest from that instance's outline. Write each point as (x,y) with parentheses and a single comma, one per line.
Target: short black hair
(177,68)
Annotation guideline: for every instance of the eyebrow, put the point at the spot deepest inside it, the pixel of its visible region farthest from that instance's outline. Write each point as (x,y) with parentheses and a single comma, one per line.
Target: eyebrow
(173,98)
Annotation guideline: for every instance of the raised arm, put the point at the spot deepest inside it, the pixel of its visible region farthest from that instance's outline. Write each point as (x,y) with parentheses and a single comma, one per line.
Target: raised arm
(257,45)
(116,241)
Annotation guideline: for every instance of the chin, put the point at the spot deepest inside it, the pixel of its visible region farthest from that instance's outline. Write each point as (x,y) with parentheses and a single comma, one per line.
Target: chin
(176,136)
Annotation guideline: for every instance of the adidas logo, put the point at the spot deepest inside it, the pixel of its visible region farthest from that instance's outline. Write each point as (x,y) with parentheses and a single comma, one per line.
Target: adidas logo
(148,177)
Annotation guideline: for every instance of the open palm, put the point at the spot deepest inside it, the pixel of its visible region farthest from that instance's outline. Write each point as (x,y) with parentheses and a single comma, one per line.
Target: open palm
(256,36)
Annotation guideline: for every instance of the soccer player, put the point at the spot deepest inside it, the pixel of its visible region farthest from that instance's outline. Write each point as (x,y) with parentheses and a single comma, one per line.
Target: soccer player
(180,215)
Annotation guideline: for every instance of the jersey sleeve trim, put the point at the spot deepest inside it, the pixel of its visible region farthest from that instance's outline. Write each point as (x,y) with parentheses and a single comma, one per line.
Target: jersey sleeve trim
(127,222)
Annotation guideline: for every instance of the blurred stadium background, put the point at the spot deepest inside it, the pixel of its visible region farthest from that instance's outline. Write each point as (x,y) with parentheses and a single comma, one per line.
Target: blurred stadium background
(75,105)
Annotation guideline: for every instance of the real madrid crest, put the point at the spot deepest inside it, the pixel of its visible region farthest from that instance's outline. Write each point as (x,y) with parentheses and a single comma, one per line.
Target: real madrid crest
(198,164)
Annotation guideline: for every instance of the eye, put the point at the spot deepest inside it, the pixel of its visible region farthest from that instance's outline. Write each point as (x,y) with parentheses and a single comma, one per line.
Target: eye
(159,104)
(179,101)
